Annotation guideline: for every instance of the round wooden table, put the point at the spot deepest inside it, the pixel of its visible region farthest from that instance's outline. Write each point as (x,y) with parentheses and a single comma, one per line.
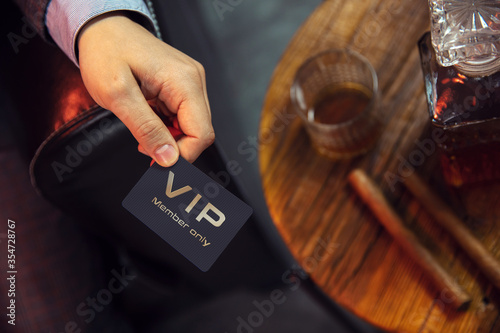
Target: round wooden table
(327,227)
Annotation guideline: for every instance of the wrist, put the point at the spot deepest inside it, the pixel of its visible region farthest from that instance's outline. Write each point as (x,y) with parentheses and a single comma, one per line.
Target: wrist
(65,19)
(116,28)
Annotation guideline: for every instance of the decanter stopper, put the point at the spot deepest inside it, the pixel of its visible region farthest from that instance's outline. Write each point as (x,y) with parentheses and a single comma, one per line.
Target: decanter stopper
(466,34)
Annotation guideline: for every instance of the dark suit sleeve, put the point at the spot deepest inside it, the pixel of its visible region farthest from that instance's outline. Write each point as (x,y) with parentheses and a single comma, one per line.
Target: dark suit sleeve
(35,11)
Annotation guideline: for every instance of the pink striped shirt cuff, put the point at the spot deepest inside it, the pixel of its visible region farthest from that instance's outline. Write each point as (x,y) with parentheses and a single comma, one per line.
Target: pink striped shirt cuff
(66,18)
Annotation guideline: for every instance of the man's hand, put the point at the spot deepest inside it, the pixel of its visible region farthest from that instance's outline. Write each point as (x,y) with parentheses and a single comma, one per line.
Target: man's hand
(125,69)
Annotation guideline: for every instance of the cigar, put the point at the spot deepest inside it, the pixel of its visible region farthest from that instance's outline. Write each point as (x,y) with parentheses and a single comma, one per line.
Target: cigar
(373,197)
(448,220)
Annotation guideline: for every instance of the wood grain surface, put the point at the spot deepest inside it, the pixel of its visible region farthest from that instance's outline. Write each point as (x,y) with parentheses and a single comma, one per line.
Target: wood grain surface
(327,227)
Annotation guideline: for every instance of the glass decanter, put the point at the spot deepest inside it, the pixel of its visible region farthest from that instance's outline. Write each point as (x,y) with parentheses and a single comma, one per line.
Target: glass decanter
(461,65)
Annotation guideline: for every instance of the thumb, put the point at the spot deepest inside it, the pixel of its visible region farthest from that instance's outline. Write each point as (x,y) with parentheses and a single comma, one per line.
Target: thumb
(147,128)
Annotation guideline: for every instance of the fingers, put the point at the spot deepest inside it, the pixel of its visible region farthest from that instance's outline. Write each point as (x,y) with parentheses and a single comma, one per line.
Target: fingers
(121,94)
(128,104)
(194,121)
(190,103)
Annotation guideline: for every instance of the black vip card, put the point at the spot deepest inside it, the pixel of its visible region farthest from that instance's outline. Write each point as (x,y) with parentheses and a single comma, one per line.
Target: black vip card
(188,210)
